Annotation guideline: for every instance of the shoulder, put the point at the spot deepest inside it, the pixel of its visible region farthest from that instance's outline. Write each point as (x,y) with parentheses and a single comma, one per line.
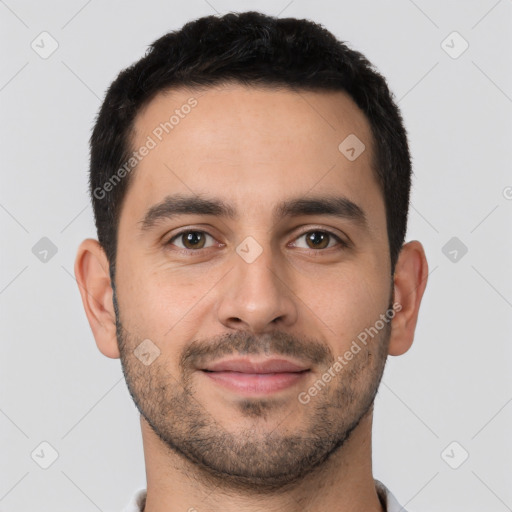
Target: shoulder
(137,502)
(387,499)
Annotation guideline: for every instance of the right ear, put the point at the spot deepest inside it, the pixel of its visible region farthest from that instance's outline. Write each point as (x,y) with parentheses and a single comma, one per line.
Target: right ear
(93,278)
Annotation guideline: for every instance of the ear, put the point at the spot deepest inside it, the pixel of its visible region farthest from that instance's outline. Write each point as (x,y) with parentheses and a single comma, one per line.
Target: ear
(410,281)
(93,278)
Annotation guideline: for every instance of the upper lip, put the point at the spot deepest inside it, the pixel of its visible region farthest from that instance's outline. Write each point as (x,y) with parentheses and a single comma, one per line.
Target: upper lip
(244,365)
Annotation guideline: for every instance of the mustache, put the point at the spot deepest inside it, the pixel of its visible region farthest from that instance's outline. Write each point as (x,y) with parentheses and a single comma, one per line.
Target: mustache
(277,343)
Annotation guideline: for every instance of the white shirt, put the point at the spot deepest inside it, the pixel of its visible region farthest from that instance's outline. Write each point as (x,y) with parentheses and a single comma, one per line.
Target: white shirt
(389,502)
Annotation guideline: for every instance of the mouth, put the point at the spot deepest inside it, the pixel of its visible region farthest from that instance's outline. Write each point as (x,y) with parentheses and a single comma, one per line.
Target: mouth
(252,377)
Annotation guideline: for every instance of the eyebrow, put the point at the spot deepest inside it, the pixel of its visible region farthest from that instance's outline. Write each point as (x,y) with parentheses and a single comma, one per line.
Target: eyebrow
(178,204)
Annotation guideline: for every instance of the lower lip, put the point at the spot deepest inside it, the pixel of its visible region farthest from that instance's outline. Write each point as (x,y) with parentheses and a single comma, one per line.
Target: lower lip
(256,383)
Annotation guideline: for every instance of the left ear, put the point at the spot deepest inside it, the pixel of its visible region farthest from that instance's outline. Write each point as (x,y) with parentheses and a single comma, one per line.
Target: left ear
(410,281)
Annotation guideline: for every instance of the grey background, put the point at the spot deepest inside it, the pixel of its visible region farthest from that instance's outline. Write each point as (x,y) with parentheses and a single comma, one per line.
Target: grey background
(453,385)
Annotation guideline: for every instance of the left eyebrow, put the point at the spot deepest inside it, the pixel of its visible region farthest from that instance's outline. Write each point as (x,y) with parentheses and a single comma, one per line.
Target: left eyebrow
(178,204)
(336,206)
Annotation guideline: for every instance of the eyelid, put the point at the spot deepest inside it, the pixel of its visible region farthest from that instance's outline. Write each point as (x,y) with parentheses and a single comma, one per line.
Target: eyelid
(339,238)
(190,230)
(331,231)
(343,241)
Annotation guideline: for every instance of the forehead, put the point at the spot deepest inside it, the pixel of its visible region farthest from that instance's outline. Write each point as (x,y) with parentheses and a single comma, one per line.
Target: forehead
(251,145)
(250,116)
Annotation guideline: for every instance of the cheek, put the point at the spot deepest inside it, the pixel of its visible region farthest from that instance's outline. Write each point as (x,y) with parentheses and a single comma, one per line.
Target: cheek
(348,304)
(161,305)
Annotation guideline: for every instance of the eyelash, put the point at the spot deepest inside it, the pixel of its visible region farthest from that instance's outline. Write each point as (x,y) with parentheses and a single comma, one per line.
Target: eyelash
(341,243)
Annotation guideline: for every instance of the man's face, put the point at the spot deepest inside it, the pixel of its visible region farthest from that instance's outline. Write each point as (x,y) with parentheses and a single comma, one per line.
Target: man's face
(261,284)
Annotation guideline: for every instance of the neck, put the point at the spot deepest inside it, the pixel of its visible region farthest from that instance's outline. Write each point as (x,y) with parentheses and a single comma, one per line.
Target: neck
(343,483)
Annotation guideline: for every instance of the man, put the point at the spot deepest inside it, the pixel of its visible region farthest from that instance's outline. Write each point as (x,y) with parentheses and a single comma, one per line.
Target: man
(250,180)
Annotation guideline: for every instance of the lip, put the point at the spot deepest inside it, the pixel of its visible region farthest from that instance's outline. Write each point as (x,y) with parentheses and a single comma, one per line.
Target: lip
(251,378)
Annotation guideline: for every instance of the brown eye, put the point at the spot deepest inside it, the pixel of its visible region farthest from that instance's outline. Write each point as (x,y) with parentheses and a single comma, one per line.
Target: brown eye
(319,239)
(190,240)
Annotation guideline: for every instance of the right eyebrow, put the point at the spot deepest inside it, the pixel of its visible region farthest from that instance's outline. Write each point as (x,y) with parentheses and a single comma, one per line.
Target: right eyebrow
(179,204)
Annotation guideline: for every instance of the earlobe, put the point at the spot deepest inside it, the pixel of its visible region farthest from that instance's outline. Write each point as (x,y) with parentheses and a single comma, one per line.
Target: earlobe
(410,281)
(92,276)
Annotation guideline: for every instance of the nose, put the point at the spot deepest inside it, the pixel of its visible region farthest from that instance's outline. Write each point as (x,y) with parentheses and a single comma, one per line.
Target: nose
(257,296)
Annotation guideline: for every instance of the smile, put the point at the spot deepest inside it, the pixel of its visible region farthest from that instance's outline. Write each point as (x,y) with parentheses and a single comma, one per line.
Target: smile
(256,377)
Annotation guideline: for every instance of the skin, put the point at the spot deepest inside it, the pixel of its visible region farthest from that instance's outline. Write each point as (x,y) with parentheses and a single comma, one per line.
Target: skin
(208,448)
